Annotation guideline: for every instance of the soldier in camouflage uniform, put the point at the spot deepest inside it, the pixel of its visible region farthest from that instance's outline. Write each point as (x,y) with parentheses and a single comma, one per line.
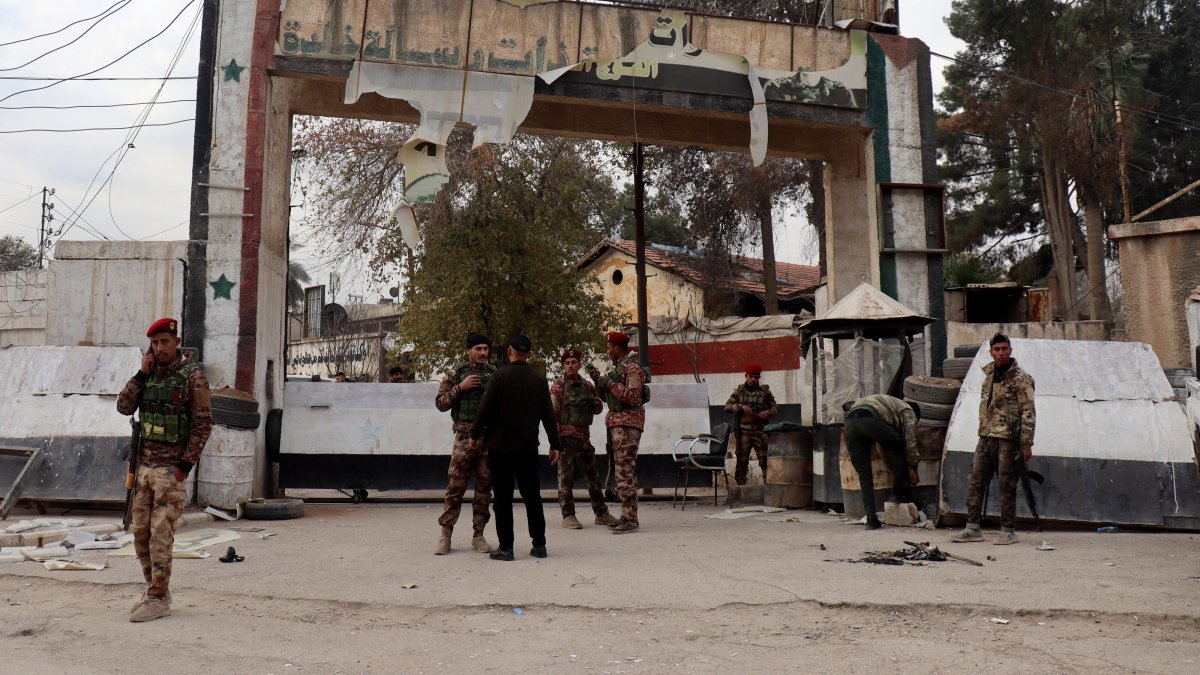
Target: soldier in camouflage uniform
(892,423)
(753,404)
(460,392)
(171,396)
(625,391)
(1006,424)
(575,404)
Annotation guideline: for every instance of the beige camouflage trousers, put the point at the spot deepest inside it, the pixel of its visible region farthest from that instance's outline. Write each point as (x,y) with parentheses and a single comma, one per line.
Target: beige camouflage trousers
(746,440)
(625,442)
(463,465)
(578,451)
(157,503)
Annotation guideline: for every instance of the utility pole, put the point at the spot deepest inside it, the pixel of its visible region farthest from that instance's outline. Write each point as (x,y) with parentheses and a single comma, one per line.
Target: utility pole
(639,237)
(1124,167)
(46,228)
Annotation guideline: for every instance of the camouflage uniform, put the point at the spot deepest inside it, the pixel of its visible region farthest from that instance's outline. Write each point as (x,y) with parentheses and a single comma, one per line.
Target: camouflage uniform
(891,423)
(575,402)
(465,463)
(625,420)
(750,432)
(158,497)
(1006,424)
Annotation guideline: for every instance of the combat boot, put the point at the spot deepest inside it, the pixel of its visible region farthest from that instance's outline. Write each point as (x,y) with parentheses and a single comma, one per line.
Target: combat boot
(145,594)
(873,522)
(572,523)
(1005,537)
(969,533)
(625,527)
(606,518)
(443,545)
(480,544)
(152,608)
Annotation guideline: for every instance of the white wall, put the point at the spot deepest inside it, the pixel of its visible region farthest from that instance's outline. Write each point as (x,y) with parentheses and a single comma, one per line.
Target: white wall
(23,308)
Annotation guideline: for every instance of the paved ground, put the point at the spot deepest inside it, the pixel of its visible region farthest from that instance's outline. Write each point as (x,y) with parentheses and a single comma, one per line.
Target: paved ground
(687,593)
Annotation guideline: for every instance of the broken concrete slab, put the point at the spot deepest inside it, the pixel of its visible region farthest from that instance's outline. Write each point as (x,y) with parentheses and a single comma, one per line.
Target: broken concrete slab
(21,526)
(10,539)
(103,528)
(902,514)
(40,537)
(77,537)
(99,545)
(194,518)
(11,558)
(45,553)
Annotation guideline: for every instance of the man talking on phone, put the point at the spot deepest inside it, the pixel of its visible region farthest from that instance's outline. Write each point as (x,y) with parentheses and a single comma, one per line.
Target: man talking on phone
(171,397)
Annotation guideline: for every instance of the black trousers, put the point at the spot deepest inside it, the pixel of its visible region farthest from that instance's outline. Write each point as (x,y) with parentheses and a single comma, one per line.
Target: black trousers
(519,469)
(864,428)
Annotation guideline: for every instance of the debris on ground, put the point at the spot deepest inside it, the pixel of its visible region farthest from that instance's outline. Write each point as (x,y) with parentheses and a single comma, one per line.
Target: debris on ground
(1044,546)
(911,555)
(58,565)
(518,611)
(999,620)
(231,555)
(408,586)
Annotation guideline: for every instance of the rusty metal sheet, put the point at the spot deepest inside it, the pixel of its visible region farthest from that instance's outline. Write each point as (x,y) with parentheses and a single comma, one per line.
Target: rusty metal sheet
(1039,305)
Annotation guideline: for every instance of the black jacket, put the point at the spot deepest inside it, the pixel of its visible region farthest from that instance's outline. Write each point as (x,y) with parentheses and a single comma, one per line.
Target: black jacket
(516,399)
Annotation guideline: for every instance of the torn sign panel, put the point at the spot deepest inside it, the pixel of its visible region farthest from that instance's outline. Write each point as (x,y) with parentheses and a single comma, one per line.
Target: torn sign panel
(495,104)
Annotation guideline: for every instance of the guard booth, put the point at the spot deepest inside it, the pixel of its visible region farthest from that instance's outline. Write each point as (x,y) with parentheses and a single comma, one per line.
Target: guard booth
(865,344)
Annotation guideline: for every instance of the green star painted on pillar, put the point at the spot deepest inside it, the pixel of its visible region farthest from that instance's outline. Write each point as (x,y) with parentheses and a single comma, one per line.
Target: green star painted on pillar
(221,288)
(233,71)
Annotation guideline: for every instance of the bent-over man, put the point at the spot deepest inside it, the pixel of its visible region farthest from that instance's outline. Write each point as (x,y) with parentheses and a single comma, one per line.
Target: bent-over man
(892,423)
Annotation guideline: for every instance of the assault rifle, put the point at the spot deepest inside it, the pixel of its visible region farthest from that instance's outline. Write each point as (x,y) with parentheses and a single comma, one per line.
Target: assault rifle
(135,458)
(1025,475)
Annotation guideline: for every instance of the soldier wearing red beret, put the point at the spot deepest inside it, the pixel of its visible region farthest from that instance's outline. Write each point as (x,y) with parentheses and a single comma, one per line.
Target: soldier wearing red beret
(575,404)
(752,404)
(625,391)
(171,397)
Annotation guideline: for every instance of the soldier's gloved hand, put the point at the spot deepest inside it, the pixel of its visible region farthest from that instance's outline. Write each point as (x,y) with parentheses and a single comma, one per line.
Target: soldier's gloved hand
(470,383)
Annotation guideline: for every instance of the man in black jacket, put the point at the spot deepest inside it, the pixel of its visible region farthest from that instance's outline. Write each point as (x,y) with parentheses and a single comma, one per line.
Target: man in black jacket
(516,399)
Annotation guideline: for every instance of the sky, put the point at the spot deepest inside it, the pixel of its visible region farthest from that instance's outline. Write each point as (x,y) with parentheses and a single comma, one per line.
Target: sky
(146,195)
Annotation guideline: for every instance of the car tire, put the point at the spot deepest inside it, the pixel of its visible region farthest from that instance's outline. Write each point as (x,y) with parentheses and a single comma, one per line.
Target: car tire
(966,351)
(941,390)
(236,420)
(934,411)
(274,432)
(957,368)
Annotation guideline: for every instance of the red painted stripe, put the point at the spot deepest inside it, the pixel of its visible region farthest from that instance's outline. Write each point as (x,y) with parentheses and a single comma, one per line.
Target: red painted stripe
(262,57)
(778,353)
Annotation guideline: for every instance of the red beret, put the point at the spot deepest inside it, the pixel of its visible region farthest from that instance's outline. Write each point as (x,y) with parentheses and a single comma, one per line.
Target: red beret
(618,338)
(163,326)
(753,369)
(570,354)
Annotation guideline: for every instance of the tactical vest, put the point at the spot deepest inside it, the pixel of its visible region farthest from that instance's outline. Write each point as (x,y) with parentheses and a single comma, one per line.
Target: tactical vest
(617,375)
(755,398)
(467,405)
(163,411)
(579,407)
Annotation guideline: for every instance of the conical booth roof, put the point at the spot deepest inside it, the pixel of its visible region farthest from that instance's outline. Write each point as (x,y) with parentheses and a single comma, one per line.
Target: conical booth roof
(867,311)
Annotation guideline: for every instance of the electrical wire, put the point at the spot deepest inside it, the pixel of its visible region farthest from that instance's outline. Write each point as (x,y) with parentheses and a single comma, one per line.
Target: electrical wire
(94,79)
(77,39)
(119,58)
(105,105)
(13,206)
(127,143)
(34,37)
(67,131)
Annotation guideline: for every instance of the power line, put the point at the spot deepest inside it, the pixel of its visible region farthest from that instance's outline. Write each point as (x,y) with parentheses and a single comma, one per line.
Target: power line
(135,48)
(94,79)
(34,37)
(13,206)
(105,105)
(77,39)
(67,131)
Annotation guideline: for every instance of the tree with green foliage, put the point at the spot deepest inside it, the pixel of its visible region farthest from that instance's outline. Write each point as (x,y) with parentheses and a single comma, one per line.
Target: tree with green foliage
(16,254)
(1030,133)
(499,243)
